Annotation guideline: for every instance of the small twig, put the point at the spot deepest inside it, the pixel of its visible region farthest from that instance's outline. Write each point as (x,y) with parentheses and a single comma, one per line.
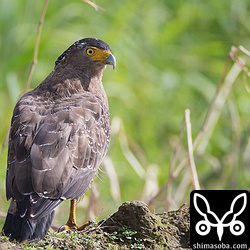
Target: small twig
(182,188)
(178,147)
(220,97)
(233,55)
(36,49)
(95,6)
(236,141)
(246,85)
(172,165)
(92,203)
(166,184)
(113,178)
(194,176)
(172,174)
(214,111)
(118,129)
(244,50)
(151,183)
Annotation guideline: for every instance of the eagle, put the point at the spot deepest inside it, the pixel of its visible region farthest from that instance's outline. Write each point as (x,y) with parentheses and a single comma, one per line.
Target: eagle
(59,135)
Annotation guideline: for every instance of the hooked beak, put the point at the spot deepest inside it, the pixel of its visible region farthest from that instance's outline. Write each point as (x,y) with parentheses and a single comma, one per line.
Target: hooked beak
(110,60)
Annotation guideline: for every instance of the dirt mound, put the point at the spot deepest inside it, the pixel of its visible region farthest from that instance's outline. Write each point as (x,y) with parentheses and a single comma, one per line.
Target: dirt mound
(133,226)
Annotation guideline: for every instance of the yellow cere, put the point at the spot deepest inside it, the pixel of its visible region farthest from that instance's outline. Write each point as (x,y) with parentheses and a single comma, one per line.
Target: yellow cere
(97,54)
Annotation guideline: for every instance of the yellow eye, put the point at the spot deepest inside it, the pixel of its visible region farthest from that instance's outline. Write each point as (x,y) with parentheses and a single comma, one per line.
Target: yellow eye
(90,52)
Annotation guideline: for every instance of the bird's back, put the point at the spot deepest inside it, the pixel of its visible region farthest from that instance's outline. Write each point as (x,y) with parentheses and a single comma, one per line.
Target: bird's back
(55,149)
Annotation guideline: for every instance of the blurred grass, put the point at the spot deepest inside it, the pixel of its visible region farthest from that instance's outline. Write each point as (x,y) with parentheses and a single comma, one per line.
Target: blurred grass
(170,56)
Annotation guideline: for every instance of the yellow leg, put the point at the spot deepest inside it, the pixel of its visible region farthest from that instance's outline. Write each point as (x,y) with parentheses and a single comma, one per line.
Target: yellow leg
(71,223)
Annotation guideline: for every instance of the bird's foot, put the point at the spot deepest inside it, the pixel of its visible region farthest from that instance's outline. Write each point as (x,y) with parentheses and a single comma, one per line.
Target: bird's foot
(73,226)
(68,226)
(71,223)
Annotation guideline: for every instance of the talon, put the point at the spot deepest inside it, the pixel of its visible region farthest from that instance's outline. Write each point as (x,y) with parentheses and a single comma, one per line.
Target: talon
(66,227)
(62,228)
(86,224)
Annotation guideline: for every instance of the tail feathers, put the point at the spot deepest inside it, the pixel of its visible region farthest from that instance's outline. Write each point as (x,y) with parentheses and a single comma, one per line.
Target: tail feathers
(20,225)
(22,229)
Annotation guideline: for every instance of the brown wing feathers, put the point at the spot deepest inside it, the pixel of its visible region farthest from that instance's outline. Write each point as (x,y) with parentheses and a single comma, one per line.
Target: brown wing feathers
(60,144)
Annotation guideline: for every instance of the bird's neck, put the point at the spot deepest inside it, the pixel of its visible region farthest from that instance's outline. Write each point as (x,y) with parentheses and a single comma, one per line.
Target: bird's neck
(66,85)
(96,87)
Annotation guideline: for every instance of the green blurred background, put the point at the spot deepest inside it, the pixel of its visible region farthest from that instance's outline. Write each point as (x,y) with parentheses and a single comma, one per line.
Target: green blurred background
(170,56)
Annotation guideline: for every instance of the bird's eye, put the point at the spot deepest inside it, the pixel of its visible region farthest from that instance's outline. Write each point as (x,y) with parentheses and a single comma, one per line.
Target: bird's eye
(90,52)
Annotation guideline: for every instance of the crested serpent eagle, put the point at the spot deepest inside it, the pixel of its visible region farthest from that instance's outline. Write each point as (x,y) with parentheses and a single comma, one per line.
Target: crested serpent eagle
(59,135)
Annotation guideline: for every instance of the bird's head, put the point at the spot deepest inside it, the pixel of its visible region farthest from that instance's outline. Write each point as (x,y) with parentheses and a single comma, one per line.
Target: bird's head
(89,55)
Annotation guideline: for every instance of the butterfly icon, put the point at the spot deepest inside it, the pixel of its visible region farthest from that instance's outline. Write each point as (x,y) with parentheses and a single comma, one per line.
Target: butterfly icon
(203,227)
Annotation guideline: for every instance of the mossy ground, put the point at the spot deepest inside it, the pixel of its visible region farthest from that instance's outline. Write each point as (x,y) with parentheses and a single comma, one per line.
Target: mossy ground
(133,226)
